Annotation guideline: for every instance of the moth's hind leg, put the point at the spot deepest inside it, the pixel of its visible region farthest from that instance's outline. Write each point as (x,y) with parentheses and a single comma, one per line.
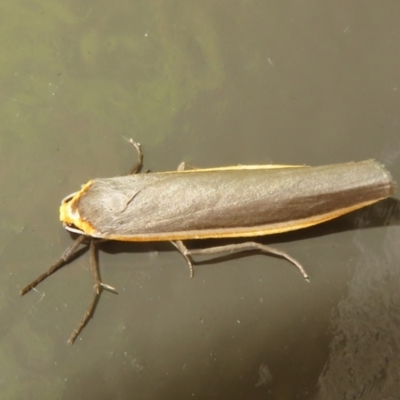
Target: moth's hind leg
(231,248)
(184,251)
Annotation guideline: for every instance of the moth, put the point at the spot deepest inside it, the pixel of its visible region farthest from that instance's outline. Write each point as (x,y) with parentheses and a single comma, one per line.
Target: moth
(230,202)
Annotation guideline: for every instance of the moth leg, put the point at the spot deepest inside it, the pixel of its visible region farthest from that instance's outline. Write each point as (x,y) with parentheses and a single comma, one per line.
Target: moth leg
(139,163)
(185,166)
(240,247)
(98,287)
(184,251)
(68,253)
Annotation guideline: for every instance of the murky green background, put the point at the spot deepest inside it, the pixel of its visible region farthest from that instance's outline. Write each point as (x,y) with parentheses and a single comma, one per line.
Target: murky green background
(211,83)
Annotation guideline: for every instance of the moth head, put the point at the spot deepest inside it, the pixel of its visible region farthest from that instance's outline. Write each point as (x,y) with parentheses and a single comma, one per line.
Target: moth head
(70,216)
